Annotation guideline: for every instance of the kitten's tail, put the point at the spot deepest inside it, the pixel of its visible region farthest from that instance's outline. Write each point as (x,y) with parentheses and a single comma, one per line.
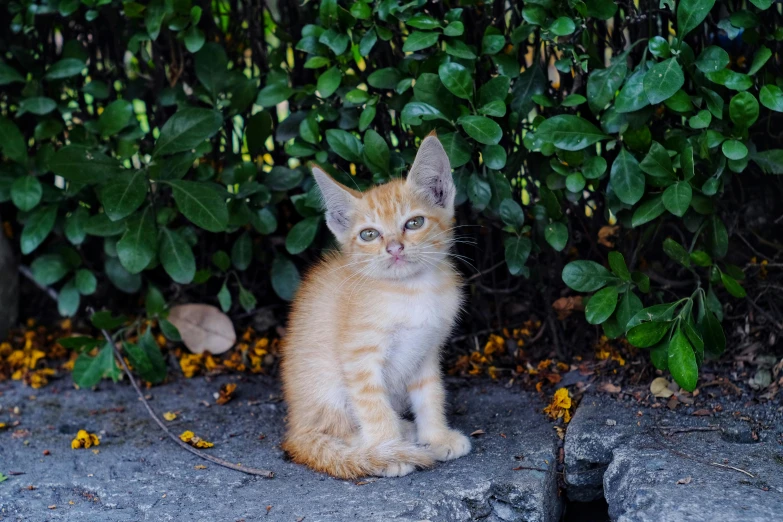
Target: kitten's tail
(332,455)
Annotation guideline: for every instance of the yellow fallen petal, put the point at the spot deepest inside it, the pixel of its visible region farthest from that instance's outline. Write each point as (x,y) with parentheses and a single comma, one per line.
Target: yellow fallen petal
(169,416)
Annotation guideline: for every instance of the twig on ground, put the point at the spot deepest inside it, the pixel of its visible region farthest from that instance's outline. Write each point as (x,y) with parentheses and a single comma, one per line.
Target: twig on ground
(220,462)
(732,467)
(720,382)
(766,314)
(685,429)
(25,271)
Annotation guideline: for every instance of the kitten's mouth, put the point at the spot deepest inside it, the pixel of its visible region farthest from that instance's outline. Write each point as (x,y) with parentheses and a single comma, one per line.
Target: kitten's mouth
(398,261)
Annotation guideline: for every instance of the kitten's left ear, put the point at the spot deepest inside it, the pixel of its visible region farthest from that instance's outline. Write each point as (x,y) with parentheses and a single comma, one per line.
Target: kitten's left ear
(430,174)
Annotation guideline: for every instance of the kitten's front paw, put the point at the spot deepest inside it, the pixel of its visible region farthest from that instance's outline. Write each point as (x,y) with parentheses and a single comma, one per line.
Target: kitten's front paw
(398,469)
(448,445)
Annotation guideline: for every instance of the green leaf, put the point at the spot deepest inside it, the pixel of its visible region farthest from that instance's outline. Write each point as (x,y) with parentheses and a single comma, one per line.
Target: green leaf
(12,142)
(731,79)
(481,129)
(176,256)
(37,228)
(86,282)
(663,80)
(700,258)
(682,361)
(647,334)
(627,178)
(457,79)
(512,214)
(202,203)
(562,26)
(194,39)
(659,47)
(772,98)
(170,331)
(88,371)
(345,145)
(186,130)
(454,29)
(419,40)
(65,68)
(677,198)
(632,96)
(137,247)
(115,117)
(601,305)
(677,252)
(594,167)
(302,235)
(242,252)
(283,178)
(744,110)
(479,192)
(569,132)
(492,43)
(104,320)
(122,195)
(49,268)
(414,112)
(657,162)
(717,238)
(37,105)
(734,149)
(362,11)
(329,81)
(629,306)
(26,192)
(9,75)
(618,266)
(517,251)
(759,60)
(224,298)
(273,94)
(146,358)
(377,151)
(457,148)
(100,225)
(80,165)
(387,78)
(714,338)
(264,221)
(690,14)
(647,211)
(121,278)
(494,157)
(573,100)
(732,285)
(575,182)
(556,234)
(285,278)
(712,59)
(246,299)
(770,161)
(586,276)
(602,84)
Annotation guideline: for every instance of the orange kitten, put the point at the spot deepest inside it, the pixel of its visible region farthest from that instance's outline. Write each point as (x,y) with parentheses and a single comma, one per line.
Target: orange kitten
(367,326)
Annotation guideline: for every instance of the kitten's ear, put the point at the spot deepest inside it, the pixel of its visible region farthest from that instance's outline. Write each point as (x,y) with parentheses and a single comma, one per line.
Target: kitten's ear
(339,200)
(430,174)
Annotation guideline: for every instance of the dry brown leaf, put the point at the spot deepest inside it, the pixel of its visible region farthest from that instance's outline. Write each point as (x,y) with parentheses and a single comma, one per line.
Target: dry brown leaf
(660,388)
(203,328)
(226,393)
(702,413)
(605,233)
(477,433)
(686,480)
(565,305)
(608,387)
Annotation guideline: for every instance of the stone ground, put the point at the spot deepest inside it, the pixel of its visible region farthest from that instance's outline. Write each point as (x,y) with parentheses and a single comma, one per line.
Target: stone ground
(651,464)
(138,475)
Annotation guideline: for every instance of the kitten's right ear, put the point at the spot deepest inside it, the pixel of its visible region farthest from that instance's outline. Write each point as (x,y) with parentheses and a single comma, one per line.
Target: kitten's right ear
(340,203)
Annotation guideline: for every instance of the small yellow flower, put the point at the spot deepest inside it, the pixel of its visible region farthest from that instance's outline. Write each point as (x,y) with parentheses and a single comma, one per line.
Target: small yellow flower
(197,442)
(560,406)
(85,440)
(169,416)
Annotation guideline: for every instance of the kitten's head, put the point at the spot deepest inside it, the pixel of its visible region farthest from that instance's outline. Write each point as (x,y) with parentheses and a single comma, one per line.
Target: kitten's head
(399,229)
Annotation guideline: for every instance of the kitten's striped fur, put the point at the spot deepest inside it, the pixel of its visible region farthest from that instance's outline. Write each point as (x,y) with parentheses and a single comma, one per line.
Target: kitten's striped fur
(366,329)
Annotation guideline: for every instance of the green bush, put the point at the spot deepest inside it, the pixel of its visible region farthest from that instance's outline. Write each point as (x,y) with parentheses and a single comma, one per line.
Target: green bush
(161,147)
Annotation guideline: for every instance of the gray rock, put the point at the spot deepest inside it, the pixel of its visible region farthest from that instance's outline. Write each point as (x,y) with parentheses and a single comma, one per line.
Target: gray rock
(9,287)
(677,481)
(139,475)
(600,425)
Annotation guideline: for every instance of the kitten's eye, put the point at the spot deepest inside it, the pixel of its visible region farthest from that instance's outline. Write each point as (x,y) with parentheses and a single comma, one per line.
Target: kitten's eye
(368,234)
(415,223)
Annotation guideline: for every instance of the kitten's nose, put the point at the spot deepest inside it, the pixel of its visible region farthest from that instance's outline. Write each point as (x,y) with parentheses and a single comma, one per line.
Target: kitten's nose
(395,248)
